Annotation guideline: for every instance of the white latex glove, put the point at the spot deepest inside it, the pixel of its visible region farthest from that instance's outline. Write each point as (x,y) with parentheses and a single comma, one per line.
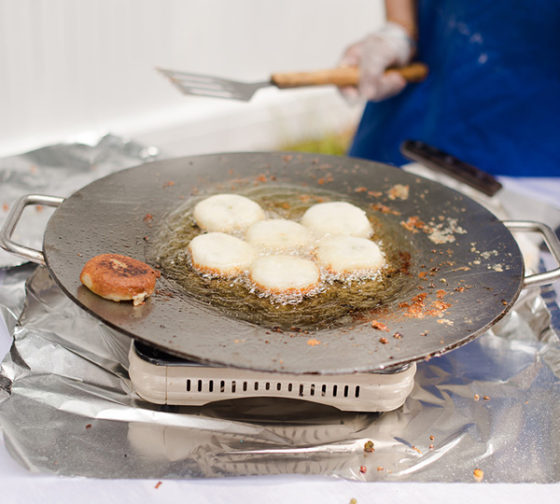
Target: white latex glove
(389,46)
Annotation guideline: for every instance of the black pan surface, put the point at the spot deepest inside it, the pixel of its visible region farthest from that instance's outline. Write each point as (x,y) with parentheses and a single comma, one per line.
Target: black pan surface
(463,278)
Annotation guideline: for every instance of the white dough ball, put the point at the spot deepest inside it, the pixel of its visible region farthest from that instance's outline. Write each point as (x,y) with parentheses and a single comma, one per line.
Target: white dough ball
(337,218)
(220,254)
(347,255)
(278,234)
(227,212)
(284,274)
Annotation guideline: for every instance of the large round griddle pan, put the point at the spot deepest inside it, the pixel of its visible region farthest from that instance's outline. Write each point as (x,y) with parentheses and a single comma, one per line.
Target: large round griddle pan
(478,274)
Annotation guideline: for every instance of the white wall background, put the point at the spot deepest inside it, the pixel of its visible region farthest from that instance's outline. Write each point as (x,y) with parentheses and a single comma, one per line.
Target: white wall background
(70,68)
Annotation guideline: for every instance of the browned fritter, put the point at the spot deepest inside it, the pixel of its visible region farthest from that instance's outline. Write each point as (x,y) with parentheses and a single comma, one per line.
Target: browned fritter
(119,278)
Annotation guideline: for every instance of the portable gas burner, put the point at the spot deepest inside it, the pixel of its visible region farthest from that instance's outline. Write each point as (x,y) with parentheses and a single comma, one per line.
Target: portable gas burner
(161,378)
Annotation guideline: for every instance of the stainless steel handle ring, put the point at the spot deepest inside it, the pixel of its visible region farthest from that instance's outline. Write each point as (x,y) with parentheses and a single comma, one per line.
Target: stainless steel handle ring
(12,220)
(551,241)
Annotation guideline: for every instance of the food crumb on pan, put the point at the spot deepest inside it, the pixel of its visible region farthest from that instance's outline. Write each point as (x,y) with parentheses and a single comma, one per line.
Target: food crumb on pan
(413,223)
(476,397)
(378,207)
(478,474)
(380,326)
(445,321)
(157,485)
(383,341)
(313,342)
(369,446)
(486,398)
(363,469)
(398,191)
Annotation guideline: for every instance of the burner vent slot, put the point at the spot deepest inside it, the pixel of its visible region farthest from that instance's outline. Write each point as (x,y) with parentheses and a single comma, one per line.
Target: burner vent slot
(269,388)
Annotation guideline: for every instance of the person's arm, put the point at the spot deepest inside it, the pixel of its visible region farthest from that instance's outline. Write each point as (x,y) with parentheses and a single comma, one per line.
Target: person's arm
(404,13)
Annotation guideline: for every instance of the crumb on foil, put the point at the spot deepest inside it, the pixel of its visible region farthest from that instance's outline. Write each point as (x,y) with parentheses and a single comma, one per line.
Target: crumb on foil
(478,474)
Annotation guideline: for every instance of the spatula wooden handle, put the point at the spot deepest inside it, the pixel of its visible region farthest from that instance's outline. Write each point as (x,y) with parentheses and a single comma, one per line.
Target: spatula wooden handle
(342,76)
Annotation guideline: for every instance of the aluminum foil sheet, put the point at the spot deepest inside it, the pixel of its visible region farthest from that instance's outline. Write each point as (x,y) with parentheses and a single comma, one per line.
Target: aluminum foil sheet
(66,407)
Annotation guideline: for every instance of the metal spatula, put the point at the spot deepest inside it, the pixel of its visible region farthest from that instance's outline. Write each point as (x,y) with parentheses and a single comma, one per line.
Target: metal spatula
(216,87)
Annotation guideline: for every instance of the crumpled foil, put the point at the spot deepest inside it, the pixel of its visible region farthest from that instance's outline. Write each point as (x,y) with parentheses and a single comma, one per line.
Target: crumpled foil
(67,406)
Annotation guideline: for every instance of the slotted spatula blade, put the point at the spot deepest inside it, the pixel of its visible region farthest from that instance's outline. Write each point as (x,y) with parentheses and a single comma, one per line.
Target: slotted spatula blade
(217,87)
(211,86)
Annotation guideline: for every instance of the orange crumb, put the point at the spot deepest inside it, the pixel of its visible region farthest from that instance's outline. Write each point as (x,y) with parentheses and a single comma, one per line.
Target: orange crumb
(478,474)
(380,326)
(313,342)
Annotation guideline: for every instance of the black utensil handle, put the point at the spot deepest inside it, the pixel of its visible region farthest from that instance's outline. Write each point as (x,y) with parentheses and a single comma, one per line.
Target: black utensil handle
(446,163)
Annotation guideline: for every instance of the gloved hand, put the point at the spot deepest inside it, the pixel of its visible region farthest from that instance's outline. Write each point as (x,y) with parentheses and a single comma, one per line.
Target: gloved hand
(389,46)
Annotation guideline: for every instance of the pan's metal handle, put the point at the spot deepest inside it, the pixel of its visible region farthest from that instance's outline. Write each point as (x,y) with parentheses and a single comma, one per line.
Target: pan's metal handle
(14,216)
(552,242)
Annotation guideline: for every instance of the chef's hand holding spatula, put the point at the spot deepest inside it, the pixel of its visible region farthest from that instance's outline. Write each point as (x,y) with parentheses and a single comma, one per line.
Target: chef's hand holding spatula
(375,56)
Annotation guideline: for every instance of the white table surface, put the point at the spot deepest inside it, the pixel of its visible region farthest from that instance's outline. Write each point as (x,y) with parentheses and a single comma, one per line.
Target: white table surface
(18,485)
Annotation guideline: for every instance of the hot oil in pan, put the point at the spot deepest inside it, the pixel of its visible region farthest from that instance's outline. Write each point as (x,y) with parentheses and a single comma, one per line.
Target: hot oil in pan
(338,304)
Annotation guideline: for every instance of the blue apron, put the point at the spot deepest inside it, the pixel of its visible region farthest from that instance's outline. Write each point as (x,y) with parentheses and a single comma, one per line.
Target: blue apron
(492,97)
